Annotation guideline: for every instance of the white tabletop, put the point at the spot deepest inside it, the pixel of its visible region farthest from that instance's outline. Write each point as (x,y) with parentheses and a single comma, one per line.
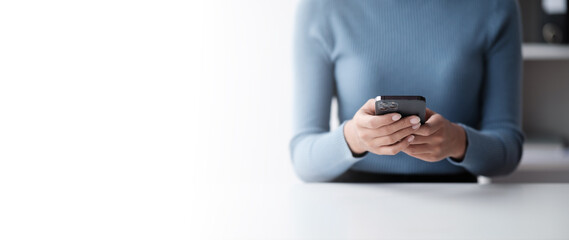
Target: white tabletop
(388,211)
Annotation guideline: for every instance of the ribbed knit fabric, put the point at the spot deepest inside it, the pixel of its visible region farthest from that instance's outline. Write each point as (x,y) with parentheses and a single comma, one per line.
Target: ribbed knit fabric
(464,56)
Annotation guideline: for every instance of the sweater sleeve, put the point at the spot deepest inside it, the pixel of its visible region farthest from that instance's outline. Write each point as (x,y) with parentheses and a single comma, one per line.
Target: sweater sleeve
(317,153)
(495,148)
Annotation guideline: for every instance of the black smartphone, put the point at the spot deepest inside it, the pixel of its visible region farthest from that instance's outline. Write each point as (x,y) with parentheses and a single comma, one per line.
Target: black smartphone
(404,105)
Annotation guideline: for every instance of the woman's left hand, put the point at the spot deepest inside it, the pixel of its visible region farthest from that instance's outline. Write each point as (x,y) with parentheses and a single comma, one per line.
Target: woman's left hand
(437,139)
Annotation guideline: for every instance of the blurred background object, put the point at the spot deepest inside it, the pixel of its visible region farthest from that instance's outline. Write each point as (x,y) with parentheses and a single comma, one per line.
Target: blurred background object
(545,21)
(545,93)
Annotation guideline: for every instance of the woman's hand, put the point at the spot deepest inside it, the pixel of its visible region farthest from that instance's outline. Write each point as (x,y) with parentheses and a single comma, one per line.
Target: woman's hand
(384,135)
(438,139)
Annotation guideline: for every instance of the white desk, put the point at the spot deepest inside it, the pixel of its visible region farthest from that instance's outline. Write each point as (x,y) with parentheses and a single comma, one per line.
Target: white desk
(389,211)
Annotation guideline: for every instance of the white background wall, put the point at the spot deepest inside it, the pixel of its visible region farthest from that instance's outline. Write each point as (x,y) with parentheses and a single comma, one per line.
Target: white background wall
(112,111)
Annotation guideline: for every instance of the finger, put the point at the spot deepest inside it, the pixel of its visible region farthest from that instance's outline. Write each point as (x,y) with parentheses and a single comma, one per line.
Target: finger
(432,125)
(418,149)
(366,118)
(393,138)
(411,121)
(376,121)
(422,139)
(394,148)
(421,156)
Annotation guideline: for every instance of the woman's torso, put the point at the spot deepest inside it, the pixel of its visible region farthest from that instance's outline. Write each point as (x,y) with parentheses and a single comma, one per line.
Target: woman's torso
(435,49)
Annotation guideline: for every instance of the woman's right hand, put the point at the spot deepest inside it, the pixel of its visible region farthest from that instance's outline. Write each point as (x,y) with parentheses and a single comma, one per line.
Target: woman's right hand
(380,134)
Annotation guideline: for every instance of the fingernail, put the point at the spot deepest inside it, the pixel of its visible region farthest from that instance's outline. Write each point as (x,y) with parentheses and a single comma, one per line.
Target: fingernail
(396,117)
(415,120)
(416,126)
(411,138)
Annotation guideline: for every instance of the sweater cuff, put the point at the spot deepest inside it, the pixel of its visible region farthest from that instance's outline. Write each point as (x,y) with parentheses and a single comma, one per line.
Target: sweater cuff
(474,148)
(344,147)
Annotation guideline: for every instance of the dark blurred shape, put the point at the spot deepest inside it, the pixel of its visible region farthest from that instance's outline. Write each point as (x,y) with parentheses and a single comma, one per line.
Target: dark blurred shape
(545,21)
(545,99)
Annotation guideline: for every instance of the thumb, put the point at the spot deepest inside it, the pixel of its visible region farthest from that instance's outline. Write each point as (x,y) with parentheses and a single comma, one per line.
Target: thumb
(369,107)
(429,113)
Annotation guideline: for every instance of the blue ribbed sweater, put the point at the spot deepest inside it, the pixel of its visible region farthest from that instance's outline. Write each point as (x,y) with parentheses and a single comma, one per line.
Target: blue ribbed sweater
(464,56)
